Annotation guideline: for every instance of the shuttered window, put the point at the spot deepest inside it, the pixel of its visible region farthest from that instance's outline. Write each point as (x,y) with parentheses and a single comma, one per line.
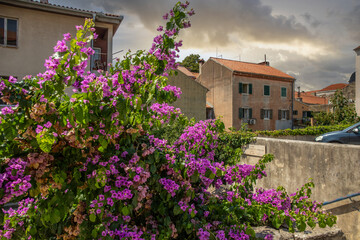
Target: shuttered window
(283,92)
(266,90)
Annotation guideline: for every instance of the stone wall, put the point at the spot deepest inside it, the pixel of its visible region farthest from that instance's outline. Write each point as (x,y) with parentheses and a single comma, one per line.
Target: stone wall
(334,168)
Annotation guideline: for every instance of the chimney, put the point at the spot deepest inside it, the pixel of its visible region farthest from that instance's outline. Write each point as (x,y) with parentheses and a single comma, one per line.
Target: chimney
(298,91)
(264,63)
(201,62)
(44,1)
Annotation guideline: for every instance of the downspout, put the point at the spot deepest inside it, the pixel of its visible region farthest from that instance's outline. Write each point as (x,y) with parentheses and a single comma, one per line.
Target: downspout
(92,46)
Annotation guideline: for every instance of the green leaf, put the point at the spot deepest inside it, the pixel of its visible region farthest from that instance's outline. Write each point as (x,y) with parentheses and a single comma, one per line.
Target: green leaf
(177,210)
(45,141)
(92,218)
(125,211)
(301,225)
(55,216)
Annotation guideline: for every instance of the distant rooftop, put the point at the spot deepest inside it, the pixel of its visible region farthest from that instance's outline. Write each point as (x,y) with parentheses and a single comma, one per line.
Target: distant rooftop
(335,86)
(253,68)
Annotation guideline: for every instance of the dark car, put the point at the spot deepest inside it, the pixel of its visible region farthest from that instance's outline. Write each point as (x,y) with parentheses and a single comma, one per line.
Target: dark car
(350,135)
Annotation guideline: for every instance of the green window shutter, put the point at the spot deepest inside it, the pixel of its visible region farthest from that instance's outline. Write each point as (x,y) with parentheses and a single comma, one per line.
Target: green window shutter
(250,112)
(262,113)
(250,88)
(266,90)
(241,113)
(279,114)
(271,114)
(240,88)
(283,92)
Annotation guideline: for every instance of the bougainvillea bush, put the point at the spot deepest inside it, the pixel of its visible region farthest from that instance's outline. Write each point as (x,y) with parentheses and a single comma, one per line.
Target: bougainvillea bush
(96,165)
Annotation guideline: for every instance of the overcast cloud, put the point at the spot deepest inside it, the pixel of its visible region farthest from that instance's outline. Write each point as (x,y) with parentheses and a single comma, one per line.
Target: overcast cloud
(311,40)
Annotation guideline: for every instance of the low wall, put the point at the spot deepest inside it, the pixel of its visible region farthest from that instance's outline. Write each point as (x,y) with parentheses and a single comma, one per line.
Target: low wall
(299,137)
(334,169)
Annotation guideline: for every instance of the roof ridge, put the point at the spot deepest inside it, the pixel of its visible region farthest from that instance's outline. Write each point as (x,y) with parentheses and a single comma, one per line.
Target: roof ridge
(239,61)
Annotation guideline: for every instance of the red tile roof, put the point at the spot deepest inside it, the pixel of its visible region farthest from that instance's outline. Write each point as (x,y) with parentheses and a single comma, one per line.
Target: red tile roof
(335,86)
(187,72)
(358,48)
(252,68)
(71,8)
(308,98)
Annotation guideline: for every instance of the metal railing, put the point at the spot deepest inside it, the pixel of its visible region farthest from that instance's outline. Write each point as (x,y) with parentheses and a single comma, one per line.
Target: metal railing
(342,198)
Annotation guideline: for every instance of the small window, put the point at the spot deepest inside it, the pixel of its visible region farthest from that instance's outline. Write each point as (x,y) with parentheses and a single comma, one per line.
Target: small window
(283,92)
(266,90)
(283,115)
(245,113)
(266,114)
(295,112)
(8,32)
(307,114)
(245,88)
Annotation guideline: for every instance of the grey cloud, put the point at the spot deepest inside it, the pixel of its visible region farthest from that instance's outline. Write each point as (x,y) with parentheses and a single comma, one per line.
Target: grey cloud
(215,21)
(352,23)
(311,20)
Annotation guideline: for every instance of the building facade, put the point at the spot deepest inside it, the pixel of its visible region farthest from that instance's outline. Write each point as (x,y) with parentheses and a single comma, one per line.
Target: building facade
(256,94)
(192,101)
(29,30)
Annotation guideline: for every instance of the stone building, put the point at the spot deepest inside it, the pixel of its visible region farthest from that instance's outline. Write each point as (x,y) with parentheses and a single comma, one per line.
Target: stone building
(29,30)
(256,94)
(192,101)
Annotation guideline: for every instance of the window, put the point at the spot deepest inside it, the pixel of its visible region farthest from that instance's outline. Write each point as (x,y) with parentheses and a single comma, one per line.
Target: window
(307,114)
(245,113)
(266,114)
(245,88)
(283,92)
(266,90)
(295,112)
(8,32)
(283,115)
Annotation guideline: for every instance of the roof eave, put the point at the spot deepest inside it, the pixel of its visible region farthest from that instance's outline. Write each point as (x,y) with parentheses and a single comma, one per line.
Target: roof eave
(114,20)
(265,75)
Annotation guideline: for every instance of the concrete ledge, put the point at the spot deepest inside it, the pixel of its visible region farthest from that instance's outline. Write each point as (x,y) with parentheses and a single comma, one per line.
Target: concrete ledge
(333,233)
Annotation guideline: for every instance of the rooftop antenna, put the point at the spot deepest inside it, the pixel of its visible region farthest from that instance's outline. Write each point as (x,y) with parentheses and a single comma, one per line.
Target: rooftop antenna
(265,58)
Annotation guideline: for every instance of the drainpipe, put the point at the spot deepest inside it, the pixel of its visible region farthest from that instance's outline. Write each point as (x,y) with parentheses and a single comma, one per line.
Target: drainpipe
(92,46)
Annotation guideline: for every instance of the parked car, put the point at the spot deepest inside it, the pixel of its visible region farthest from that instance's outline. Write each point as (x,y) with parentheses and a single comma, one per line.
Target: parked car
(350,135)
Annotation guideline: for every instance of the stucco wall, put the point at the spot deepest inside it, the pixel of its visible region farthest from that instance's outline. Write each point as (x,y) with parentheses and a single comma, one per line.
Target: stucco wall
(218,80)
(258,101)
(38,33)
(193,98)
(334,169)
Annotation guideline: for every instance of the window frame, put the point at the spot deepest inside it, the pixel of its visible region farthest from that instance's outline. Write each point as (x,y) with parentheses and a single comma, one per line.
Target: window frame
(249,88)
(5,32)
(284,114)
(281,91)
(264,90)
(245,113)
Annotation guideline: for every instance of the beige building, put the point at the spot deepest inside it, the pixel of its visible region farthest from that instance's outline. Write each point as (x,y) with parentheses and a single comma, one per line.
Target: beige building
(192,101)
(29,30)
(251,93)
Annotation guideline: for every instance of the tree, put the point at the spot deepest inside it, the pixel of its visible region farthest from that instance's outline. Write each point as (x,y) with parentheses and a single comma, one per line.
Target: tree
(343,111)
(192,62)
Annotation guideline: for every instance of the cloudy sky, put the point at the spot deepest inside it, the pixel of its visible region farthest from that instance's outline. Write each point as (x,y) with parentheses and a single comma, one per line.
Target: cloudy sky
(312,40)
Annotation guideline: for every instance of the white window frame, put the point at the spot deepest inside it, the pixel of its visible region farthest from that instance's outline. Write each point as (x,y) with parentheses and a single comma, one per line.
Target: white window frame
(5,32)
(283,114)
(247,88)
(267,113)
(246,113)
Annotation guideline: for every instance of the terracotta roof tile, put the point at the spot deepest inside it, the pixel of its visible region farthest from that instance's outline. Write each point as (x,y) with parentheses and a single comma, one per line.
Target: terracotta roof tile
(71,8)
(313,99)
(358,48)
(254,68)
(334,87)
(187,72)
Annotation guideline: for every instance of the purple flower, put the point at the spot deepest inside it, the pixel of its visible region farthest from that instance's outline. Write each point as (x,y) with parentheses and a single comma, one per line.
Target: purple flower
(48,125)
(61,46)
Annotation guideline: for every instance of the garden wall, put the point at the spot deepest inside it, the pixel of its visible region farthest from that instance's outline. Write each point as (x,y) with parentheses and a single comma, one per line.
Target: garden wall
(334,169)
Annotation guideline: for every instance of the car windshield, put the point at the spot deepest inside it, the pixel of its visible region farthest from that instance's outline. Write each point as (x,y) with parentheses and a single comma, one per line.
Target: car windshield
(351,127)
